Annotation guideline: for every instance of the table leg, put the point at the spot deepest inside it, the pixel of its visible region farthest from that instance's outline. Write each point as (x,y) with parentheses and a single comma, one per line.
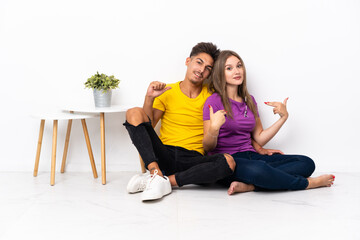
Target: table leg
(88,144)
(53,158)
(103,161)
(37,158)
(66,146)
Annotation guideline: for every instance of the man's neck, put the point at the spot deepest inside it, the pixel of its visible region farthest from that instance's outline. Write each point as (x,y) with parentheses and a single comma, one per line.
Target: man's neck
(190,89)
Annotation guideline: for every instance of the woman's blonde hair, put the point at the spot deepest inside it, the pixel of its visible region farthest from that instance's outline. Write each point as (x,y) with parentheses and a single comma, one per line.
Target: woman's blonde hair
(218,83)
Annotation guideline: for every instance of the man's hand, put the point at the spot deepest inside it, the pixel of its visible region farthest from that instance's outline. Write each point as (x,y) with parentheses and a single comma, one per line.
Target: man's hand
(155,89)
(269,152)
(279,107)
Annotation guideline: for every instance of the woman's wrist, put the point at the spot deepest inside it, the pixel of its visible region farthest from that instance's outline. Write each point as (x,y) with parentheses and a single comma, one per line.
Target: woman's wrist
(284,117)
(214,136)
(213,133)
(257,147)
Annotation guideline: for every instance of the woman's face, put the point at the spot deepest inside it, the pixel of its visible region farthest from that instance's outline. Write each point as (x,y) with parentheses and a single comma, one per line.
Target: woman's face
(234,71)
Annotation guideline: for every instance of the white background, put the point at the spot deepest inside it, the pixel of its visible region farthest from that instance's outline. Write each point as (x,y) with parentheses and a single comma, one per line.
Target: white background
(305,50)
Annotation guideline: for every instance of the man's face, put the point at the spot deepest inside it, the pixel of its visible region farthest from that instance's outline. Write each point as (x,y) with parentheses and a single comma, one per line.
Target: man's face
(198,67)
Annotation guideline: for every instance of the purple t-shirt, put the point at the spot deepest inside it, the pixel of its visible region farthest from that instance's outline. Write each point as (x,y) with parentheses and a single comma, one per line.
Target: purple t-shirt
(235,134)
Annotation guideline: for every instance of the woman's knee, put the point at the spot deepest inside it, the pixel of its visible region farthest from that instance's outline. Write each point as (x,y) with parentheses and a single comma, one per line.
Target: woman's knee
(309,164)
(136,115)
(230,161)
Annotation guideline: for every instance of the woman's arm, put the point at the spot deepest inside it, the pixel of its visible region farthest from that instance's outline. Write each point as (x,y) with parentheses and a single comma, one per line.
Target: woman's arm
(212,127)
(264,151)
(262,136)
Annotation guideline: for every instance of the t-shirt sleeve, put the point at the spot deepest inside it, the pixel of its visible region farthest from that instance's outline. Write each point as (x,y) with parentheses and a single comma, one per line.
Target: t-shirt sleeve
(206,110)
(159,103)
(214,104)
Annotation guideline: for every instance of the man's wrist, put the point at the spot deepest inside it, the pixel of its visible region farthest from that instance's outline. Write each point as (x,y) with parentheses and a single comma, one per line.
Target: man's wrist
(149,101)
(149,98)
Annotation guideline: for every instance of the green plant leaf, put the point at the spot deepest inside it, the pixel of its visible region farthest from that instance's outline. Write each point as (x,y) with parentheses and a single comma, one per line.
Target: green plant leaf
(102,82)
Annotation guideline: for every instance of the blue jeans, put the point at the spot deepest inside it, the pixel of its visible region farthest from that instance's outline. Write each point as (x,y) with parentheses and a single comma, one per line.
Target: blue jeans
(276,172)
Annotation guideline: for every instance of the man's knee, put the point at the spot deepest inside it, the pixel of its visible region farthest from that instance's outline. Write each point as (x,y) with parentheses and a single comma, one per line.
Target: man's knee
(230,160)
(136,115)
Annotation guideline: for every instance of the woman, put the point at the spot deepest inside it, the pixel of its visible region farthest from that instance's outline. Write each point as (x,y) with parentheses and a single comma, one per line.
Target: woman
(231,119)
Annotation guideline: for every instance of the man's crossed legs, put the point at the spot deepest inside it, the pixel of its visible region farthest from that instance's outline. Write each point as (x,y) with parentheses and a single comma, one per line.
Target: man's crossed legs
(181,166)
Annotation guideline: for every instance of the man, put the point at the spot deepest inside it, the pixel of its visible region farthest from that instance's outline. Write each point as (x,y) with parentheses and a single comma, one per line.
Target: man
(178,152)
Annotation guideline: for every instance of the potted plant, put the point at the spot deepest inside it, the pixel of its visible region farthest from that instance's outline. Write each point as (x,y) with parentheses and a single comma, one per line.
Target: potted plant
(102,86)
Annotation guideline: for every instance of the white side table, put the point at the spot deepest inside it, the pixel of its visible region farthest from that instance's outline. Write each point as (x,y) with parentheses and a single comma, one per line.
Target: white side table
(101,111)
(55,117)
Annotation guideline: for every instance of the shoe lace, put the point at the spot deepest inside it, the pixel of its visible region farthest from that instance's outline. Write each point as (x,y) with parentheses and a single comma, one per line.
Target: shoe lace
(142,184)
(151,178)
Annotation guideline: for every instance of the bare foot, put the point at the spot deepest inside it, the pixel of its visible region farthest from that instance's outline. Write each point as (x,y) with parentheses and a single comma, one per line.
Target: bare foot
(325,180)
(240,187)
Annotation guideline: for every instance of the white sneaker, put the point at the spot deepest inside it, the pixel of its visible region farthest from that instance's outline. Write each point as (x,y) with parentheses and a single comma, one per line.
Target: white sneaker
(138,183)
(156,187)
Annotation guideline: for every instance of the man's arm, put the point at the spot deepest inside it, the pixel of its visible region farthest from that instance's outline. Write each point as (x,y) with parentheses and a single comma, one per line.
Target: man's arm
(154,90)
(157,114)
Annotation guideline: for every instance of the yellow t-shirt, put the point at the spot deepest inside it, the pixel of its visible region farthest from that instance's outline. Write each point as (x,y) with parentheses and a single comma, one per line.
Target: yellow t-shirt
(182,121)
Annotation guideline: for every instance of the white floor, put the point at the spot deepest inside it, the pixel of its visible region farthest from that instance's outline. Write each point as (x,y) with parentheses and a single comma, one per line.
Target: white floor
(80,207)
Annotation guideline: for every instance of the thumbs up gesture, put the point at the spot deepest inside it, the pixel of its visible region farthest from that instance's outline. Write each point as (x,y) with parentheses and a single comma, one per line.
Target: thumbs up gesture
(279,108)
(217,119)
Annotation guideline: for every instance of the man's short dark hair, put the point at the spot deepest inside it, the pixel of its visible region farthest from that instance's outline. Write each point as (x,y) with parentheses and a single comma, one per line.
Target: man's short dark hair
(205,47)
